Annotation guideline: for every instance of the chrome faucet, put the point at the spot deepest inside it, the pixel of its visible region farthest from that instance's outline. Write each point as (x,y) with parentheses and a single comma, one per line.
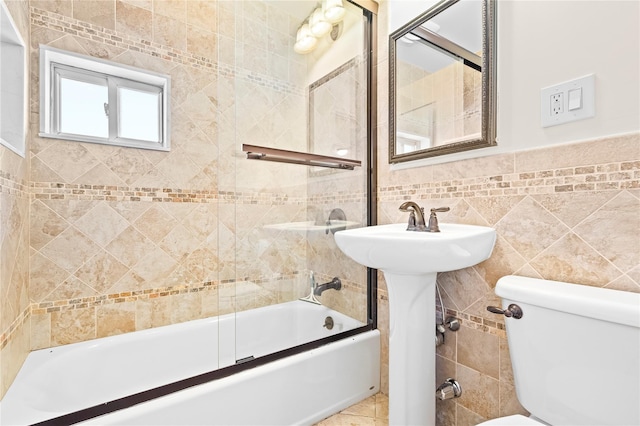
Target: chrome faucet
(416,217)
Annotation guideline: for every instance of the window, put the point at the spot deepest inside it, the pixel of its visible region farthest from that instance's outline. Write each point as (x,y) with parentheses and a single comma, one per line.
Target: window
(91,100)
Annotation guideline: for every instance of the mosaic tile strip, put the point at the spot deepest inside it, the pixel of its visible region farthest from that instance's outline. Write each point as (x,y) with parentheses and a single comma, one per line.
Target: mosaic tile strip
(77,28)
(108,299)
(67,191)
(338,197)
(132,296)
(478,323)
(48,307)
(10,184)
(9,333)
(603,177)
(74,27)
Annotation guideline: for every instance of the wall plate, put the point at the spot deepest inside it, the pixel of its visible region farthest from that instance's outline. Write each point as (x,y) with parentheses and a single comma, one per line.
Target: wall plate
(569,101)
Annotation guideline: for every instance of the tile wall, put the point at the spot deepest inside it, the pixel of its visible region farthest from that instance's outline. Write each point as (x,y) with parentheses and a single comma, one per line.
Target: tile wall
(14,242)
(123,239)
(568,213)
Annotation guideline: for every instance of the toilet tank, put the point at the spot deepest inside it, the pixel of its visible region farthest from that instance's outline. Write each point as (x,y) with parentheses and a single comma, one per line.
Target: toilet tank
(575,352)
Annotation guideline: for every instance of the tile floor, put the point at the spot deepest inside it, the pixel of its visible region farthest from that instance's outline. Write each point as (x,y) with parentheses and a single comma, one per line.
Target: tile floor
(373,411)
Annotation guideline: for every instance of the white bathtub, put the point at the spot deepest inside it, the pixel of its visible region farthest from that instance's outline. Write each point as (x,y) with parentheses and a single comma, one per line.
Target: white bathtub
(299,389)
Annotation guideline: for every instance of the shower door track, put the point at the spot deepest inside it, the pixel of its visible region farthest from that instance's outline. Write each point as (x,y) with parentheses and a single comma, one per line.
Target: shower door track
(160,391)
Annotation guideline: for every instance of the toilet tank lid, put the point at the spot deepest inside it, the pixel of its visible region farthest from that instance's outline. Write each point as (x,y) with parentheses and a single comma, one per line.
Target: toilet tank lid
(600,303)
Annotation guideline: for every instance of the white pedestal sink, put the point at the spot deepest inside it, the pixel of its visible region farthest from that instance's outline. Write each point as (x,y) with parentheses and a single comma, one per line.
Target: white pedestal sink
(410,261)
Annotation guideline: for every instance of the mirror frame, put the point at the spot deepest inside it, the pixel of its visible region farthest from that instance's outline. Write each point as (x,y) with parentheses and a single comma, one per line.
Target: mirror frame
(489,89)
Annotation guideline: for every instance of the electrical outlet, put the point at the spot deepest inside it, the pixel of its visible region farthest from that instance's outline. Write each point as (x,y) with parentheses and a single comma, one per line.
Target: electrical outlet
(568,101)
(557,103)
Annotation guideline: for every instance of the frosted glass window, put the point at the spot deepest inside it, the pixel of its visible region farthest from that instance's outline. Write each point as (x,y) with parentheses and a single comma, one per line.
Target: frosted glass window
(139,115)
(86,99)
(82,108)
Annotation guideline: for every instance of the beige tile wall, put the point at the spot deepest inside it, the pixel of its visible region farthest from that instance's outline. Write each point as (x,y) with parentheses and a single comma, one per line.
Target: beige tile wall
(14,242)
(125,239)
(568,213)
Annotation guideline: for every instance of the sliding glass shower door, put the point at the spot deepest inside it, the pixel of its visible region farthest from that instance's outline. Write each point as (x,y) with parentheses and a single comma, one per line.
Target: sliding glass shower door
(278,218)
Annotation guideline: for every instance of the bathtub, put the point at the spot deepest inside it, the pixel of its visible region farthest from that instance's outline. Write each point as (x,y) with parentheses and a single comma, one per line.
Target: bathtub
(183,358)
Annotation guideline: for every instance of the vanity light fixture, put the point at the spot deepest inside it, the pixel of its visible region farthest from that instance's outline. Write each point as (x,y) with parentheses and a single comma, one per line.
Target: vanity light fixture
(324,19)
(318,24)
(333,10)
(305,41)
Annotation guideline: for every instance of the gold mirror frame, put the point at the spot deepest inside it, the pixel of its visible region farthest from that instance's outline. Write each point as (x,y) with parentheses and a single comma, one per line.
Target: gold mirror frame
(489,90)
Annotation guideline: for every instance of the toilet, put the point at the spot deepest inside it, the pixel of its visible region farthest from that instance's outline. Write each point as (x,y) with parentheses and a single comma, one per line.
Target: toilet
(575,353)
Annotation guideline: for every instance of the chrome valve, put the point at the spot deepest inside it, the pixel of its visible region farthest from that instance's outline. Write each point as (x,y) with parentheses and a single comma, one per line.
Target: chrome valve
(448,390)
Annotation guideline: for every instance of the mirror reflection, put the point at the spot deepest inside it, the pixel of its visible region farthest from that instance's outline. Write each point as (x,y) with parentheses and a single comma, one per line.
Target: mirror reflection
(440,64)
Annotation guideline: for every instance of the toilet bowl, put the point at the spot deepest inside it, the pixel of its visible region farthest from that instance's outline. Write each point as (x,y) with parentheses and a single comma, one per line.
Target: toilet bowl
(575,353)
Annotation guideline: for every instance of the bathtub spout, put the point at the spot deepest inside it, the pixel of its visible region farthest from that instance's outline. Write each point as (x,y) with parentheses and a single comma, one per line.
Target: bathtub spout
(335,284)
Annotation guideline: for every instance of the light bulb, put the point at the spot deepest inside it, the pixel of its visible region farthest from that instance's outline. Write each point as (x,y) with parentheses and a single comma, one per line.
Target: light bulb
(333,10)
(318,24)
(305,41)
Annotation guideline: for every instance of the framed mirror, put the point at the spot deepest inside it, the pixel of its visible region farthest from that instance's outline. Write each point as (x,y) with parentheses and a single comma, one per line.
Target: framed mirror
(442,75)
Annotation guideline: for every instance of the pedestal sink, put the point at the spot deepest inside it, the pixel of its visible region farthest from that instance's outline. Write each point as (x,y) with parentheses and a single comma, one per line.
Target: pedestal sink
(410,262)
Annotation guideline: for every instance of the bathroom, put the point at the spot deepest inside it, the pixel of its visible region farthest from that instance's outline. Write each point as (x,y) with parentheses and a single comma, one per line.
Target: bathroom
(564,200)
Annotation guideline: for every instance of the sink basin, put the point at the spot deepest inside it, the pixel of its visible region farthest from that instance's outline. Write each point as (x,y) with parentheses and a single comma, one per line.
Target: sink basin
(410,262)
(394,249)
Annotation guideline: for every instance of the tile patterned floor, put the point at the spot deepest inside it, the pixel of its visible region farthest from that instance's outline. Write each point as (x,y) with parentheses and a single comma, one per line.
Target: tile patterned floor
(373,411)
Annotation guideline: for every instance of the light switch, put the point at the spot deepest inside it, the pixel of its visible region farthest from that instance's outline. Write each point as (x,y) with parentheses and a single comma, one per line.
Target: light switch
(575,99)
(569,101)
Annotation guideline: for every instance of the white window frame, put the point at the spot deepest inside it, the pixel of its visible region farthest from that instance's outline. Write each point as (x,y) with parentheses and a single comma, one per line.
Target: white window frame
(55,63)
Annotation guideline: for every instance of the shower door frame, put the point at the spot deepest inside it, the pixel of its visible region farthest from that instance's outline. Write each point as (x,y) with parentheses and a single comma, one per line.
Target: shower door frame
(369,11)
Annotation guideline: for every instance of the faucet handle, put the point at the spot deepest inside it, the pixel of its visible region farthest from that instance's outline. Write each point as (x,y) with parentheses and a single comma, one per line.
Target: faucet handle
(433,219)
(440,210)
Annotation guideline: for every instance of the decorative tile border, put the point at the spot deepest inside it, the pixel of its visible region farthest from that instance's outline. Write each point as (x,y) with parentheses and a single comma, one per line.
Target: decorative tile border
(477,323)
(68,191)
(9,333)
(48,307)
(100,35)
(340,197)
(11,185)
(603,177)
(114,298)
